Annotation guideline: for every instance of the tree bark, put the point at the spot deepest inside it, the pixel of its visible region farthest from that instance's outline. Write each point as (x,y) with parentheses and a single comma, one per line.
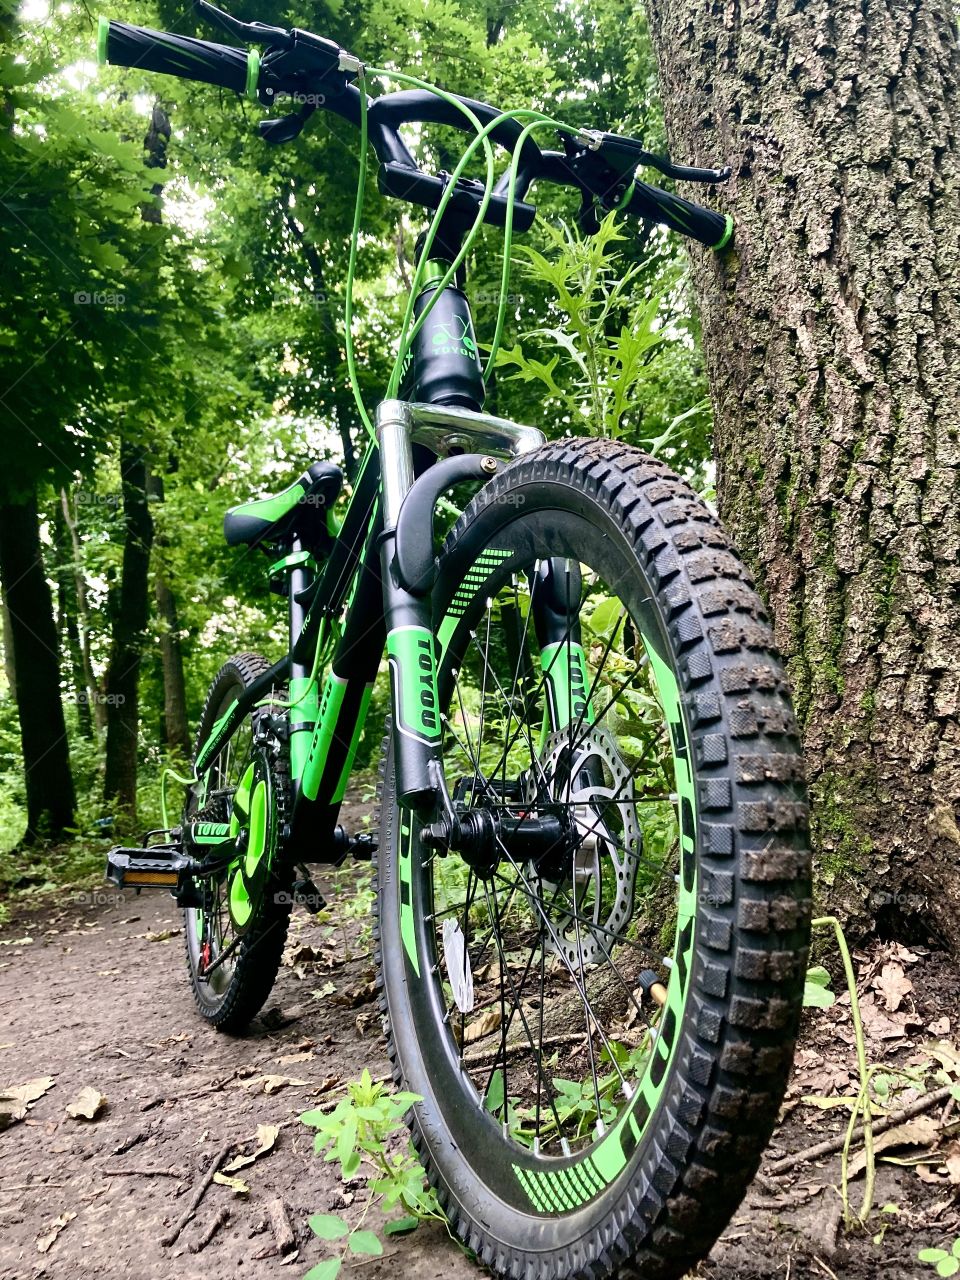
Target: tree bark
(9,666)
(94,694)
(68,620)
(129,633)
(176,729)
(830,331)
(33,634)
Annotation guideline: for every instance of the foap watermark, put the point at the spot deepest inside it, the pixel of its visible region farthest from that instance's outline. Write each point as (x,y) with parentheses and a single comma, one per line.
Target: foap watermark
(98,898)
(301,99)
(89,498)
(493,298)
(101,699)
(99,298)
(312,901)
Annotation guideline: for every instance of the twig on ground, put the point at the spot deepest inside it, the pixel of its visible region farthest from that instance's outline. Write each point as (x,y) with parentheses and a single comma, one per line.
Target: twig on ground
(204,1239)
(127,1172)
(137,1138)
(830,1145)
(825,1269)
(198,1195)
(214,1087)
(483,1056)
(280,1223)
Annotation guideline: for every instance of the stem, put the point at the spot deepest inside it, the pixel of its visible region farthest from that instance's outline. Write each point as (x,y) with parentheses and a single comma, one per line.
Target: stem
(863,1098)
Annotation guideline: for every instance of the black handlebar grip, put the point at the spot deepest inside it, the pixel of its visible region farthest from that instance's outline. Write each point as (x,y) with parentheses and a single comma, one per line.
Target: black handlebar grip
(125,45)
(709,228)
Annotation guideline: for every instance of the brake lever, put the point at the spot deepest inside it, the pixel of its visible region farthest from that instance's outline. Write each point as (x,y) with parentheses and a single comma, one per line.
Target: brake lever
(255,32)
(627,154)
(286,128)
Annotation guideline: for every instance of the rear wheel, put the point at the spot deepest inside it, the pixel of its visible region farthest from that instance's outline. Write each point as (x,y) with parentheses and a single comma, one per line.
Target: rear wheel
(235,940)
(600,1027)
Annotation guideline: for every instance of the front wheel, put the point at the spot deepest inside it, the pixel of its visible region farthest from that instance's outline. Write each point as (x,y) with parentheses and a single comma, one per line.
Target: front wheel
(600,1022)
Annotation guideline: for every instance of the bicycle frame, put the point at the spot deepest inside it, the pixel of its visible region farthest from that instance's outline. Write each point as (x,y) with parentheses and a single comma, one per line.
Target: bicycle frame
(382,612)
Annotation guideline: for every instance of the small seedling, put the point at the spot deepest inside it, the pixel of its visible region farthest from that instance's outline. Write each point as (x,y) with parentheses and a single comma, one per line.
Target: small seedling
(355,1135)
(945,1263)
(816,989)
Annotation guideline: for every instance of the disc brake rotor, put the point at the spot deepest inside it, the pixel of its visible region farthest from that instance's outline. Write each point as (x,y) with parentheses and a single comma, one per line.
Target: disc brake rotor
(593,782)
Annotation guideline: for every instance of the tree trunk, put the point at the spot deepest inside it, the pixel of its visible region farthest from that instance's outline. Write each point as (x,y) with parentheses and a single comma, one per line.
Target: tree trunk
(129,632)
(176,729)
(68,619)
(830,331)
(33,633)
(94,694)
(9,666)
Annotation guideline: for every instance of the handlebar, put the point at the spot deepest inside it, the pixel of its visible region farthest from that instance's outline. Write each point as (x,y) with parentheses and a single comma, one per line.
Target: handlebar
(317,72)
(125,45)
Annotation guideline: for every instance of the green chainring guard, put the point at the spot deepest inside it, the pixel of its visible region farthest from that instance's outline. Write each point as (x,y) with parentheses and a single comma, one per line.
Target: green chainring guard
(252,807)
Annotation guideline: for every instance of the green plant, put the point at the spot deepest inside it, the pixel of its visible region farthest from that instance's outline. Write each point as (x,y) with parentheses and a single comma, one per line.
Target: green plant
(945,1262)
(356,1135)
(816,989)
(608,342)
(862,1103)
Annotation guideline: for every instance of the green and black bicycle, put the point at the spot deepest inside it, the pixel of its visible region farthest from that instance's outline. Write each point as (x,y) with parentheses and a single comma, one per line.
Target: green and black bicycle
(593,869)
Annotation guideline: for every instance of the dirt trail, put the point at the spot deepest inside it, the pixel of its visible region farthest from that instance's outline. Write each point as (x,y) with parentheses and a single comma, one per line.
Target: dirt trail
(99,998)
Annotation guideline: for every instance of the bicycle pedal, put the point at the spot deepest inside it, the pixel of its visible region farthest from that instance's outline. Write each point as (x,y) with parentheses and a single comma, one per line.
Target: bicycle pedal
(308,895)
(159,867)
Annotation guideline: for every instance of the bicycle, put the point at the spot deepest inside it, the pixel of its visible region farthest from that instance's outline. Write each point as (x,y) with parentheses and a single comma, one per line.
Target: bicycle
(592,868)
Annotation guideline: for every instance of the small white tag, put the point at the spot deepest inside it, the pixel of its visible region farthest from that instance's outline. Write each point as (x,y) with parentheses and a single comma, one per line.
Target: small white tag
(458,965)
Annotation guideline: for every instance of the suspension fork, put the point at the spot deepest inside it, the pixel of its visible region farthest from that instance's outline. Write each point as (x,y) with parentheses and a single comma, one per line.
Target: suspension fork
(411,655)
(556,590)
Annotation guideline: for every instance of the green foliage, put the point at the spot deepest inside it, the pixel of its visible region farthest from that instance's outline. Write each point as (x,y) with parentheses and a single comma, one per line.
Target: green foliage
(365,1135)
(217,340)
(601,362)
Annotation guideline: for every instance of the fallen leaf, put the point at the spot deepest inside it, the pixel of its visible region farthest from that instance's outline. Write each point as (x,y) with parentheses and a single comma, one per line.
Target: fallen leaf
(236,1184)
(361,994)
(904,954)
(288,1058)
(929,1176)
(952,1161)
(161,935)
(16,1100)
(304,954)
(267,1135)
(877,1023)
(893,984)
(29,1092)
(940,1028)
(87,1105)
(921,1132)
(46,1238)
(483,1026)
(273,1084)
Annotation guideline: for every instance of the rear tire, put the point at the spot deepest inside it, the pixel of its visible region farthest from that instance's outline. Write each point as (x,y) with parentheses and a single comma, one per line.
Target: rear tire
(650,1196)
(234,995)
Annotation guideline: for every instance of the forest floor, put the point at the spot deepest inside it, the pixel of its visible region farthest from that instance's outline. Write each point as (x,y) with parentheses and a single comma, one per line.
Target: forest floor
(93,995)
